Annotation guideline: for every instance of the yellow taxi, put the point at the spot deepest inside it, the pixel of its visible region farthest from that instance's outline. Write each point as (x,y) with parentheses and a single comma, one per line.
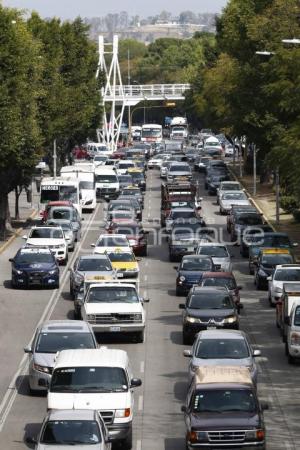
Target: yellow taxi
(125,263)
(268,259)
(138,177)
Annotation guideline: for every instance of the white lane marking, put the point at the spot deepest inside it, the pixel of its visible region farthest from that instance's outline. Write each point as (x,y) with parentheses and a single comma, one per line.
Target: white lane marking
(141,403)
(146,263)
(142,367)
(138,445)
(146,277)
(12,391)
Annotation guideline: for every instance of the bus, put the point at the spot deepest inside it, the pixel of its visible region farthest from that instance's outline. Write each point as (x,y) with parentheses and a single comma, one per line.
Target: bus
(151,133)
(60,189)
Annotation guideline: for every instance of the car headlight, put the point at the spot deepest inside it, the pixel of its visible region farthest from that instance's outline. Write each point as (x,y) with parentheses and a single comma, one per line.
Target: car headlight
(53,272)
(121,413)
(182,278)
(191,319)
(41,368)
(18,272)
(202,436)
(91,317)
(132,270)
(137,317)
(230,319)
(78,279)
(278,289)
(253,435)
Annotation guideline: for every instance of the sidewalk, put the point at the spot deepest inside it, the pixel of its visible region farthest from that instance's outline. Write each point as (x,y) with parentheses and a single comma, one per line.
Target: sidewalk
(265,199)
(27,213)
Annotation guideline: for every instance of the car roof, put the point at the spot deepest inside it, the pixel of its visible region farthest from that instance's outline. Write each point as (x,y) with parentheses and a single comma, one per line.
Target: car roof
(221,334)
(288,266)
(197,256)
(223,375)
(291,288)
(218,275)
(103,357)
(93,256)
(60,326)
(72,414)
(209,289)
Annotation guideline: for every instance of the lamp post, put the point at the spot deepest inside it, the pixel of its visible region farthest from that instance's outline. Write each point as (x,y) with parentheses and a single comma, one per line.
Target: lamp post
(277,186)
(254,168)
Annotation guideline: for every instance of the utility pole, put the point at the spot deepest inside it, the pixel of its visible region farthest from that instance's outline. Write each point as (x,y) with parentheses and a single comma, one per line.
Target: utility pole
(254,168)
(54,158)
(277,186)
(240,158)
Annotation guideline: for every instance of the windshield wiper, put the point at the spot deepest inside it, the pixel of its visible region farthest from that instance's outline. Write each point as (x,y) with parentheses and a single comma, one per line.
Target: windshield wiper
(94,388)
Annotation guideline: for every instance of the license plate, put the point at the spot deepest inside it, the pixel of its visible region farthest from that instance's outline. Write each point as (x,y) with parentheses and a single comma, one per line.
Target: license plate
(115,329)
(120,275)
(98,277)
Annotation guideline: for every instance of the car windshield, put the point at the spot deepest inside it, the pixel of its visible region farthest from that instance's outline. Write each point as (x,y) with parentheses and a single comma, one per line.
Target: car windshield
(222,349)
(106,178)
(218,281)
(297,316)
(131,192)
(71,432)
(113,241)
(179,168)
(224,400)
(274,260)
(214,251)
(125,179)
(61,214)
(94,265)
(46,233)
(196,264)
(86,185)
(27,257)
(89,379)
(231,187)
(210,300)
(121,257)
(113,294)
(289,274)
(249,219)
(234,196)
(55,342)
(182,214)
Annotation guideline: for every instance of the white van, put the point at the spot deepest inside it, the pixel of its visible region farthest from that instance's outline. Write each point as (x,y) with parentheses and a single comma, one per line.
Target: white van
(98,379)
(292,346)
(85,173)
(96,148)
(107,183)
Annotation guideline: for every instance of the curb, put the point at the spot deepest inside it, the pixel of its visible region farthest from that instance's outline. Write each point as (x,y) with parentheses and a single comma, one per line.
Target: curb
(252,200)
(16,234)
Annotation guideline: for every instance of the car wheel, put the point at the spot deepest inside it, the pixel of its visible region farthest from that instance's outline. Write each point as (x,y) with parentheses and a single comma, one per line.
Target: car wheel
(186,340)
(139,337)
(286,349)
(126,444)
(178,292)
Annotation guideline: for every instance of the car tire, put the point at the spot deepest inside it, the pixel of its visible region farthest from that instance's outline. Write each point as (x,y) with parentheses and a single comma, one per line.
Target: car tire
(126,444)
(286,349)
(186,340)
(139,337)
(13,284)
(178,292)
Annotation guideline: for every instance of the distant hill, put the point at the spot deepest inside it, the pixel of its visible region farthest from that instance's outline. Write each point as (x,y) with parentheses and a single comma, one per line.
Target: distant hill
(149,29)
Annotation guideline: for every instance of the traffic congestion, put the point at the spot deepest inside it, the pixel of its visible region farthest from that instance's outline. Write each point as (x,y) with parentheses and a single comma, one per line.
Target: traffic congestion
(164,301)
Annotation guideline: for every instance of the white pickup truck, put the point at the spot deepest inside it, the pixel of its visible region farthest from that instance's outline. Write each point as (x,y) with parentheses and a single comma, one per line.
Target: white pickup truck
(114,307)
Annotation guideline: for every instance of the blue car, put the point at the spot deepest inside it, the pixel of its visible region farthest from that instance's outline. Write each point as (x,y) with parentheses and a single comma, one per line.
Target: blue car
(190,272)
(33,267)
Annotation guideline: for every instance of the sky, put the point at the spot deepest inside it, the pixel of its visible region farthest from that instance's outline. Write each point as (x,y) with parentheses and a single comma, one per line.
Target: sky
(68,9)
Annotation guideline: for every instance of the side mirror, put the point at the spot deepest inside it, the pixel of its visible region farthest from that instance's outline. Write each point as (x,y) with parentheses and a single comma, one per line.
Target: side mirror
(28,349)
(93,245)
(264,406)
(183,409)
(31,440)
(187,353)
(240,288)
(175,267)
(256,353)
(135,382)
(24,237)
(11,260)
(139,259)
(145,300)
(181,306)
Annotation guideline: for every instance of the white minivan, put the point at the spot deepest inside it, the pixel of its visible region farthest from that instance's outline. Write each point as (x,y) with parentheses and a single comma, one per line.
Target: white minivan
(107,183)
(98,379)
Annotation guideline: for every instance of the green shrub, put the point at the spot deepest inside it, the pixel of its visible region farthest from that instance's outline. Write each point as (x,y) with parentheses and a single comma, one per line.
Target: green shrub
(289,203)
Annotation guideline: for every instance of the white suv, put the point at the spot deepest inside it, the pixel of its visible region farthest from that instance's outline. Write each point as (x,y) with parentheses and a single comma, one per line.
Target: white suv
(52,237)
(114,307)
(284,273)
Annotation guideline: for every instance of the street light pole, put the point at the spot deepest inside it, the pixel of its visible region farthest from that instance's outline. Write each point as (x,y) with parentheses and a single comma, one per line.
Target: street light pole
(240,159)
(129,117)
(277,187)
(54,158)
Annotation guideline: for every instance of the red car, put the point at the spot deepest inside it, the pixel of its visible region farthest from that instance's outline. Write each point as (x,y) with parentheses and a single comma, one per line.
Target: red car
(135,234)
(44,214)
(223,279)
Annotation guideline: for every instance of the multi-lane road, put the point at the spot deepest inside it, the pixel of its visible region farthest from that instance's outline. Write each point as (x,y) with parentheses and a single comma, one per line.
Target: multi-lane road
(158,421)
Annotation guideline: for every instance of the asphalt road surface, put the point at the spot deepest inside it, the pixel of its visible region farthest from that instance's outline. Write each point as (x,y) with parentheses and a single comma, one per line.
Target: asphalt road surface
(158,421)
